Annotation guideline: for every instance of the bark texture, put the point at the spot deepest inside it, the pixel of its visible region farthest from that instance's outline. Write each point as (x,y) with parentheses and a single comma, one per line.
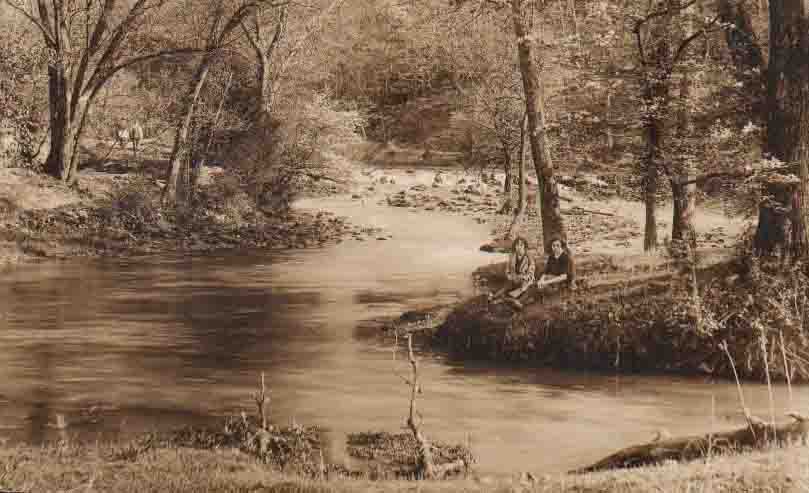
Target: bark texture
(553,225)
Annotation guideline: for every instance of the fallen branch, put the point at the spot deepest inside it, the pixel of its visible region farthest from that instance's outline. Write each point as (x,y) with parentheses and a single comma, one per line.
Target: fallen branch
(756,435)
(579,210)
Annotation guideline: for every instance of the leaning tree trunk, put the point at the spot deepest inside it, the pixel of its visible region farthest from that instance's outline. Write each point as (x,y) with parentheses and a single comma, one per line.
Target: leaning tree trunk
(553,225)
(180,150)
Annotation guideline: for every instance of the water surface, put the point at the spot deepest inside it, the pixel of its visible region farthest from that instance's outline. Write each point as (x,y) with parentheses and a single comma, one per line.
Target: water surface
(158,342)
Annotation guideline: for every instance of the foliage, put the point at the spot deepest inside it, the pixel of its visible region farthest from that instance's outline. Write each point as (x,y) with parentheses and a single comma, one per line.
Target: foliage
(22,91)
(301,145)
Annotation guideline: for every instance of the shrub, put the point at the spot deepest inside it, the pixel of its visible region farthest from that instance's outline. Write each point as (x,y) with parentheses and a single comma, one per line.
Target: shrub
(133,206)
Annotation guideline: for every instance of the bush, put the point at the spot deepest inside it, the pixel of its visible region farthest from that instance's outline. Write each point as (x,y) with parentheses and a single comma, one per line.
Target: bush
(224,202)
(133,206)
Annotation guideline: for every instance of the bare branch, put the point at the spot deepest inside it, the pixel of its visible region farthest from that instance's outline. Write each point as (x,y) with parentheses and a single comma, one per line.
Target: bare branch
(118,35)
(100,79)
(687,41)
(49,40)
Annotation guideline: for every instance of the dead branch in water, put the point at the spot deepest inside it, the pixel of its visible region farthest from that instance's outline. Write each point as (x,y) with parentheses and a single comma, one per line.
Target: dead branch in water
(262,399)
(427,469)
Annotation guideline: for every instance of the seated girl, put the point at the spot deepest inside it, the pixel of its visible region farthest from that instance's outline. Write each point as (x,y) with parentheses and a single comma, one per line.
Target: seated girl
(560,267)
(519,271)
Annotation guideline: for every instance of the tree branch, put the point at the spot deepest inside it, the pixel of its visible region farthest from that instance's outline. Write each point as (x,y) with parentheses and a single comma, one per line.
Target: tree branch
(119,33)
(687,41)
(99,80)
(49,40)
(93,45)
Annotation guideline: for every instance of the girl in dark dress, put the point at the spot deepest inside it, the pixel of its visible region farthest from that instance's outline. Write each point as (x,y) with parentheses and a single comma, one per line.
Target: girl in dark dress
(559,268)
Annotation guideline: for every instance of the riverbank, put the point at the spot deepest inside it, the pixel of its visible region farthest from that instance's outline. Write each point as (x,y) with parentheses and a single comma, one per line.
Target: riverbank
(635,315)
(115,214)
(175,469)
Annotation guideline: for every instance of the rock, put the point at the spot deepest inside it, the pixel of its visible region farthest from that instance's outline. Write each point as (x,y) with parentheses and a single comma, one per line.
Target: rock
(356,196)
(383,180)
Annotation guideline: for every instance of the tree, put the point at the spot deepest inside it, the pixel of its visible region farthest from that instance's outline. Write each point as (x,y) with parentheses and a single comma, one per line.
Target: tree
(553,225)
(89,42)
(220,19)
(662,44)
(787,140)
(496,108)
(265,49)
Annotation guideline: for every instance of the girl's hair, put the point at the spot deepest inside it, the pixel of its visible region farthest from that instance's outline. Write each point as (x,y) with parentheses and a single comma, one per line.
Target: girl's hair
(518,240)
(561,242)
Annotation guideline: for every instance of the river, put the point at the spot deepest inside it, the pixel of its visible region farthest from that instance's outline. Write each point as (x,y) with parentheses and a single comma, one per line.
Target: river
(153,343)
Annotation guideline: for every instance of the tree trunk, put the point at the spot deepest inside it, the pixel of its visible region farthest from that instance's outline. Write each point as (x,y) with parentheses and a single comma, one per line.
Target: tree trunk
(800,220)
(66,125)
(519,213)
(60,154)
(180,149)
(683,195)
(741,41)
(508,202)
(265,79)
(200,164)
(650,184)
(509,179)
(682,225)
(610,138)
(782,215)
(553,225)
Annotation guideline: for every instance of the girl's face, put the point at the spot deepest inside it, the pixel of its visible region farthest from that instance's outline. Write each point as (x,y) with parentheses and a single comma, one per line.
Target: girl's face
(556,246)
(520,248)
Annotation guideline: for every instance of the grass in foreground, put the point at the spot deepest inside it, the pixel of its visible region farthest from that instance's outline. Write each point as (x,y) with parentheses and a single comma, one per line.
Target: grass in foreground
(168,470)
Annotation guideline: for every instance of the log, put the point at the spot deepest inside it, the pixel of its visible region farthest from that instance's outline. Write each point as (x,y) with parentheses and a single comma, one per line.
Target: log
(756,435)
(578,210)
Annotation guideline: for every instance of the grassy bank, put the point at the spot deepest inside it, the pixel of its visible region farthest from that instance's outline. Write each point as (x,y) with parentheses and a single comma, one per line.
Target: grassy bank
(168,470)
(640,317)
